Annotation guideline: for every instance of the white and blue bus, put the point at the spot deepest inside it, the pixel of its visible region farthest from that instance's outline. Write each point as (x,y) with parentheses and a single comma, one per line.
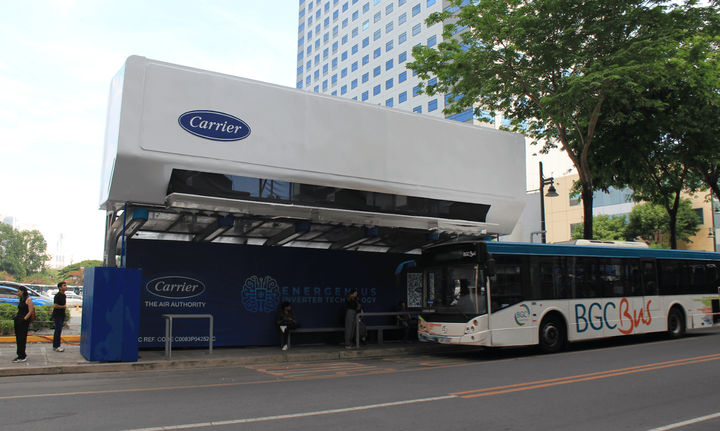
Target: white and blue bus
(498,294)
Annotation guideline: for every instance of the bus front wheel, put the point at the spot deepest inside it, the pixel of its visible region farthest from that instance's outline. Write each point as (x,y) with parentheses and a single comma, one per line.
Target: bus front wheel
(676,324)
(552,335)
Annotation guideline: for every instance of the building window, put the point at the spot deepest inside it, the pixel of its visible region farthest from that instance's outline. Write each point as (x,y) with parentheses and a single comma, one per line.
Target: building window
(355,15)
(301,55)
(432,82)
(365,96)
(300,70)
(365,77)
(377,35)
(354,49)
(326,37)
(402,38)
(343,73)
(376,53)
(301,41)
(307,80)
(401,2)
(418,109)
(365,60)
(345,7)
(301,28)
(343,89)
(355,32)
(353,83)
(344,39)
(432,40)
(366,42)
(416,9)
(430,3)
(333,80)
(388,9)
(402,19)
(354,67)
(316,75)
(402,57)
(574,200)
(376,71)
(377,17)
(700,214)
(326,22)
(325,84)
(336,14)
(416,91)
(299,84)
(389,45)
(335,31)
(325,68)
(416,29)
(402,97)
(334,47)
(326,52)
(389,64)
(389,84)
(389,102)
(366,24)
(376,90)
(432,105)
(402,77)
(345,23)
(389,27)
(343,56)
(366,7)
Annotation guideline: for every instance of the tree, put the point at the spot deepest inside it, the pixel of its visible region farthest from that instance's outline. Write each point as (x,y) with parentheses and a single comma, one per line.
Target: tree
(76,271)
(551,65)
(662,151)
(605,228)
(650,222)
(21,252)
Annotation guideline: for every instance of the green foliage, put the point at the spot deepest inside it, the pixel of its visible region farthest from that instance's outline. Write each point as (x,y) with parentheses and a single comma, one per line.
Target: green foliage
(558,69)
(21,252)
(605,228)
(74,270)
(651,223)
(43,318)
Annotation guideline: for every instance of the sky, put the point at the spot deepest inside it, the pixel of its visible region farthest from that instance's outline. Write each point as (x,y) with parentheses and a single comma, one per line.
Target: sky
(56,62)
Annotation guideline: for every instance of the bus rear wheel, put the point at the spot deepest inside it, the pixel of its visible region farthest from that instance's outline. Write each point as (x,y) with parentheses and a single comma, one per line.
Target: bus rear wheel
(552,335)
(676,324)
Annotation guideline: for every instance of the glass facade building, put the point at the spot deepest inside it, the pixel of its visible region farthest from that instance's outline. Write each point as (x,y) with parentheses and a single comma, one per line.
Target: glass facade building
(358,49)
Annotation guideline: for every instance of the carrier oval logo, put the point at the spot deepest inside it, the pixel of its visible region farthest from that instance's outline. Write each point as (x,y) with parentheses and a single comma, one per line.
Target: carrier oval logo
(174,287)
(213,125)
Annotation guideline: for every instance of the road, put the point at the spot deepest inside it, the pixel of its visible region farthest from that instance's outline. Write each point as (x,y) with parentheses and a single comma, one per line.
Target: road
(632,383)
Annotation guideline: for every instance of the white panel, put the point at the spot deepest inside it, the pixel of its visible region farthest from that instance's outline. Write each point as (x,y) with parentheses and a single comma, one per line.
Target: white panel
(307,138)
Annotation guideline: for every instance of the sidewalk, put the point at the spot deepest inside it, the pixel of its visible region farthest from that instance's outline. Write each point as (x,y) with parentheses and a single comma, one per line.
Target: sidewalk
(42,359)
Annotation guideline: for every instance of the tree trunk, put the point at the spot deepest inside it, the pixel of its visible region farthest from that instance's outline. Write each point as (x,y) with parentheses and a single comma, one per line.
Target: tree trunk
(587,199)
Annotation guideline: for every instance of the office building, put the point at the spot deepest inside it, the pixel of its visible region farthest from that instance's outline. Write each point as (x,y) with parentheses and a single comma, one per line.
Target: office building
(358,49)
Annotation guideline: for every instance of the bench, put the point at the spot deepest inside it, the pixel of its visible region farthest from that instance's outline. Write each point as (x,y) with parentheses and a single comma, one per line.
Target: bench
(379,328)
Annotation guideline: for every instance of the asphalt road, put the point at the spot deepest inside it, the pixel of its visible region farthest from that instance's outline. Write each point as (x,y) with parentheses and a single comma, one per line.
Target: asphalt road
(634,383)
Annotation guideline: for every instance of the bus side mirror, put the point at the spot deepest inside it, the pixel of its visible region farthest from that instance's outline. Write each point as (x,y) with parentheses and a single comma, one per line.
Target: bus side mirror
(490,265)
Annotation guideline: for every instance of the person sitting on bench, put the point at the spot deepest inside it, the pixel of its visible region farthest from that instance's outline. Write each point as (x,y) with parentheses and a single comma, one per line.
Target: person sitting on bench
(285,320)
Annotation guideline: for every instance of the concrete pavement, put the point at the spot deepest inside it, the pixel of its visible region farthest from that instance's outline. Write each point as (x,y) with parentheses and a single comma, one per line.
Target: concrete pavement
(42,359)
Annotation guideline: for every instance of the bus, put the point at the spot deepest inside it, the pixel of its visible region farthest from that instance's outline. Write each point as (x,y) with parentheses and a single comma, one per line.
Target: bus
(495,294)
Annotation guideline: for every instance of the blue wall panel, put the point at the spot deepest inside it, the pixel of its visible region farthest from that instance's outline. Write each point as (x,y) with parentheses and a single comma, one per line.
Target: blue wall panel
(111,314)
(243,287)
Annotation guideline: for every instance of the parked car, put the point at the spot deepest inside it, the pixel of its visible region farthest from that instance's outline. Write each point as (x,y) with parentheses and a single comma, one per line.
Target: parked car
(8,294)
(73,299)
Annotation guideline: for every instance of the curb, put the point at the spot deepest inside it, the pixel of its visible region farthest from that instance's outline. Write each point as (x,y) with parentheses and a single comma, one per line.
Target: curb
(41,338)
(163,365)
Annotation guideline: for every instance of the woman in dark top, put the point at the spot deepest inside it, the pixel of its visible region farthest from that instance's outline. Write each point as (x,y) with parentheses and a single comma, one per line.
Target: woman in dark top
(22,322)
(352,305)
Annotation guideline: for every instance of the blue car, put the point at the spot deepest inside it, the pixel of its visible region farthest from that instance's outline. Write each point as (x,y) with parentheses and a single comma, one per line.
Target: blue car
(8,294)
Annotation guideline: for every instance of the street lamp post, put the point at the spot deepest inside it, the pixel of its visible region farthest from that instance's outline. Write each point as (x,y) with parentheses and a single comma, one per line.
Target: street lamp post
(552,193)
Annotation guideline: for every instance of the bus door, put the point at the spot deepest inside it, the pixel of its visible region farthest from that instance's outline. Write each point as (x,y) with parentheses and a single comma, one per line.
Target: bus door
(649,302)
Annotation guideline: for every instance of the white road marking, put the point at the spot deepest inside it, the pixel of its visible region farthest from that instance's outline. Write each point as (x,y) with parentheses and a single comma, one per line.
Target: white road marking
(295,415)
(687,422)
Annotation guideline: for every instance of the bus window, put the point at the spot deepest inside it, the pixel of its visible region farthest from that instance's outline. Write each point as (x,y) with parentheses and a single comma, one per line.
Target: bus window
(506,286)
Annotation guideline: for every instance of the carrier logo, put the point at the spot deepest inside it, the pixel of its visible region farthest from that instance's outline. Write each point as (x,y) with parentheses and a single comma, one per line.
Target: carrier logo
(174,287)
(260,294)
(214,125)
(523,316)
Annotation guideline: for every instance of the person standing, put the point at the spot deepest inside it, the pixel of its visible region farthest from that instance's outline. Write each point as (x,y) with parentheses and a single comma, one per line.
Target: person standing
(58,315)
(285,320)
(352,305)
(22,321)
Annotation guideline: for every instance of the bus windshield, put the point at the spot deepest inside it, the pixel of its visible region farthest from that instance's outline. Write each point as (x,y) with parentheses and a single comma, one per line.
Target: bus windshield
(453,292)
